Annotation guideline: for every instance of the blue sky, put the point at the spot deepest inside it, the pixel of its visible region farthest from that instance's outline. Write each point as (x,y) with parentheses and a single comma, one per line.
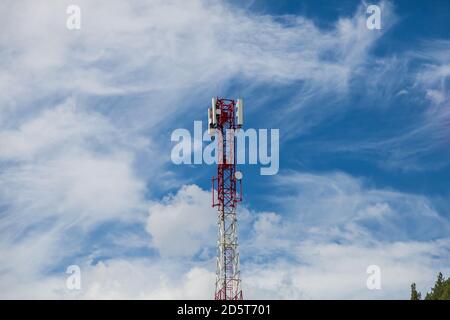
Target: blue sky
(86,118)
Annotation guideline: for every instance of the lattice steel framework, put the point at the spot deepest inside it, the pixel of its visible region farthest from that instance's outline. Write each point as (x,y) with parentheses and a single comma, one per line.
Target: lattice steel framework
(228,282)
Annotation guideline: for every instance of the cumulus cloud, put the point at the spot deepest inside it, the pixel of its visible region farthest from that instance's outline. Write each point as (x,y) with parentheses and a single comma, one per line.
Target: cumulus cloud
(297,255)
(184,223)
(119,279)
(181,226)
(301,254)
(330,229)
(325,270)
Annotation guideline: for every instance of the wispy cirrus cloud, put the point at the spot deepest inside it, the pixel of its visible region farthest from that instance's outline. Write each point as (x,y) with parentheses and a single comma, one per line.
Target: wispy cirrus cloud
(416,133)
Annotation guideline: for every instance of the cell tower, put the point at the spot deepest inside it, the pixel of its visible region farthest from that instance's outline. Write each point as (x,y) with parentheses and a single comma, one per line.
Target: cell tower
(225,117)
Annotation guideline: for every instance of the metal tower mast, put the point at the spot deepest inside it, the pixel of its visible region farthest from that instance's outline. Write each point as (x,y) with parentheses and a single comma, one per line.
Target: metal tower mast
(225,117)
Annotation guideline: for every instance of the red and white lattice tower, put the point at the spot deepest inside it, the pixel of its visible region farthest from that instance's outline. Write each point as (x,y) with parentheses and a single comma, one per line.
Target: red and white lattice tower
(225,117)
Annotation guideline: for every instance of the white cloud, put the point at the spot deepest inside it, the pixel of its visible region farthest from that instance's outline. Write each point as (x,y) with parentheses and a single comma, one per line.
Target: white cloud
(67,163)
(290,255)
(284,256)
(52,129)
(184,223)
(417,81)
(333,227)
(435,96)
(63,173)
(168,51)
(337,199)
(118,279)
(338,271)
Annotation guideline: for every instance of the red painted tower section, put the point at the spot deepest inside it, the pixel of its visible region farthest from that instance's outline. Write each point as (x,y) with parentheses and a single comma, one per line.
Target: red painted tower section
(225,117)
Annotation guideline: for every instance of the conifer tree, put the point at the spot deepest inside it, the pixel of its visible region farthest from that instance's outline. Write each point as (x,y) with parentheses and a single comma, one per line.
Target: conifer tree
(440,290)
(415,295)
